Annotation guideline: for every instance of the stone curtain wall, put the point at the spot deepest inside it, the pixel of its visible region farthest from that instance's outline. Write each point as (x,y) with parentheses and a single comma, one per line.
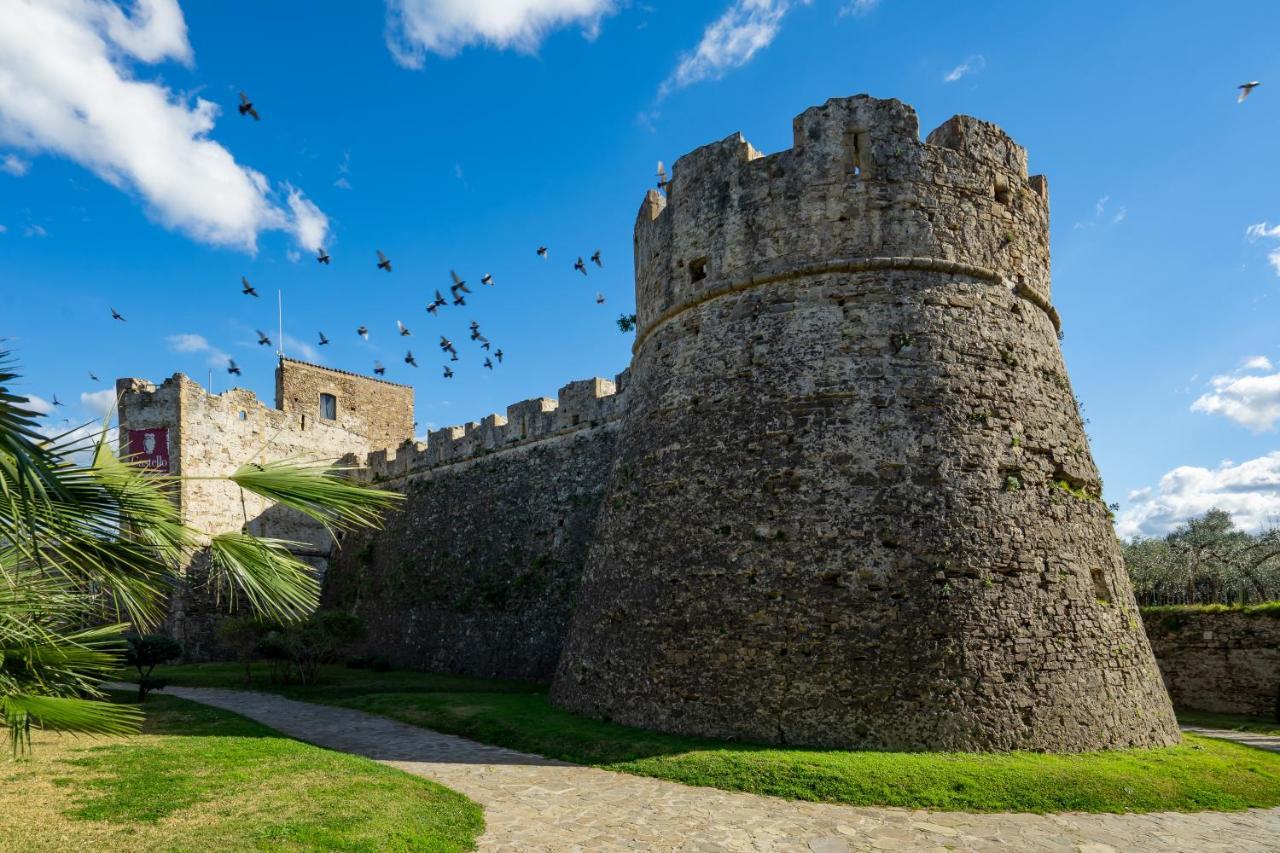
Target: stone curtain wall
(854,505)
(478,572)
(213,435)
(1227,661)
(381,412)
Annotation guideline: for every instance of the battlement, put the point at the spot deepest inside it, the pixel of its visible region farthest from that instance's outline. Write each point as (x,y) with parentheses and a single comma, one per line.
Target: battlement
(579,405)
(857,183)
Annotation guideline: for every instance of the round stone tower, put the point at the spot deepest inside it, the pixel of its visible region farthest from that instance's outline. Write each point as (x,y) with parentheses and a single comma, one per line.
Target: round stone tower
(854,503)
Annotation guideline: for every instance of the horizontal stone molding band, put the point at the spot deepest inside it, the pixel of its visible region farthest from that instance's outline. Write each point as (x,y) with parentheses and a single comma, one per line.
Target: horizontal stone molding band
(857,265)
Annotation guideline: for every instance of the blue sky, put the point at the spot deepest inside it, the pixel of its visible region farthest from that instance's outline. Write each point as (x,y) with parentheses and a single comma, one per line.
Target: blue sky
(461,135)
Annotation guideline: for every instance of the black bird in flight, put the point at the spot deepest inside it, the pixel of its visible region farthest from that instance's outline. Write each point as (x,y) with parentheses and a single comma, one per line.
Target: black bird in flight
(439,302)
(595,257)
(580,266)
(378,369)
(232,367)
(599,298)
(488,363)
(448,374)
(1246,89)
(486,279)
(263,340)
(322,256)
(246,107)
(408,358)
(56,402)
(542,251)
(484,342)
(115,315)
(498,356)
(662,176)
(384,263)
(475,330)
(94,378)
(404,330)
(248,288)
(323,340)
(446,344)
(457,288)
(363,332)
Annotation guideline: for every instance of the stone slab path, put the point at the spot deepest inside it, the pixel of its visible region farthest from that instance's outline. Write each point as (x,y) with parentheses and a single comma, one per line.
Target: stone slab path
(1271,743)
(536,804)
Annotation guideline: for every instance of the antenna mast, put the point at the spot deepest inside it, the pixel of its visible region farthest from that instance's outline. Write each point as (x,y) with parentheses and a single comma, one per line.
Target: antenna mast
(280,317)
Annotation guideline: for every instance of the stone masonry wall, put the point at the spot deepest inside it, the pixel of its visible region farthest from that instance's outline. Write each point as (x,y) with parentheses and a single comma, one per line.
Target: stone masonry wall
(1227,662)
(381,412)
(477,572)
(854,504)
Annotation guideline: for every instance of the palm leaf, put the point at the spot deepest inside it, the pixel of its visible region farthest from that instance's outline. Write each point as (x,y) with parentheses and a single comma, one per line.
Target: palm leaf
(20,713)
(273,582)
(318,490)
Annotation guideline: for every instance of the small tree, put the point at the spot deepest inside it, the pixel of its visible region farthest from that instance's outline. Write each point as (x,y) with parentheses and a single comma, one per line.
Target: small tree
(243,635)
(147,652)
(319,639)
(626,322)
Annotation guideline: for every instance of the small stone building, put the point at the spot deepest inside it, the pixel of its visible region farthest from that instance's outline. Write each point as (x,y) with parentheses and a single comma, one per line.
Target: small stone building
(180,428)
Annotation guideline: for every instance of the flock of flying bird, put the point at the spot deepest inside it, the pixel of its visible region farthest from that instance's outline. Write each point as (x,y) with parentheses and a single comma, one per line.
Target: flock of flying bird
(457,291)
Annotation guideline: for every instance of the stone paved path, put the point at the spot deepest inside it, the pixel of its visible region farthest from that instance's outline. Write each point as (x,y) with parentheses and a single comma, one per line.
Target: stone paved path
(535,804)
(1271,743)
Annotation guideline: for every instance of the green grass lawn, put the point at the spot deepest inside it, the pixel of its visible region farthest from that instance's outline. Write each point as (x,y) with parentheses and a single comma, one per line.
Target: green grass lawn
(1200,774)
(199,778)
(1230,722)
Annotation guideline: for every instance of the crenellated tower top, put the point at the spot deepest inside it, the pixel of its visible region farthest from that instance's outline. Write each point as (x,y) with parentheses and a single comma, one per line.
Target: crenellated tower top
(858,190)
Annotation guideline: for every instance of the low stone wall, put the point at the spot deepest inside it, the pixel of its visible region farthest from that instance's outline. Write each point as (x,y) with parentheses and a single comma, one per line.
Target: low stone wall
(1225,661)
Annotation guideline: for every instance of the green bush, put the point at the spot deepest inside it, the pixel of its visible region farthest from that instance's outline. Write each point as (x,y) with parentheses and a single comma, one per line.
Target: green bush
(147,651)
(377,663)
(319,639)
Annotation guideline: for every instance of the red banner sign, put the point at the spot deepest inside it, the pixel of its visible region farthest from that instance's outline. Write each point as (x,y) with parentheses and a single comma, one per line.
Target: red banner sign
(150,448)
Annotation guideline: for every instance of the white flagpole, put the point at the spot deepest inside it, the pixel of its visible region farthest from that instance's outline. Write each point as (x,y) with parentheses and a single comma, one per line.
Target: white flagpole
(280,316)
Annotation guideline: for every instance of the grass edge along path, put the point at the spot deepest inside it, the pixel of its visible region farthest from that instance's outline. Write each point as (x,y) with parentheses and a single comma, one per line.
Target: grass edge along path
(198,777)
(1202,774)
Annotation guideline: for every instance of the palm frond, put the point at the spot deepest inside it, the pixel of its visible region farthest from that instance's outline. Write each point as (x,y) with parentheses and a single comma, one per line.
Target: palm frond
(318,490)
(19,713)
(272,580)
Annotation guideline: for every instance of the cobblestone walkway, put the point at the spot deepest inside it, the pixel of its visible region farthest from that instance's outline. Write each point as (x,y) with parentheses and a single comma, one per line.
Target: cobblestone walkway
(535,804)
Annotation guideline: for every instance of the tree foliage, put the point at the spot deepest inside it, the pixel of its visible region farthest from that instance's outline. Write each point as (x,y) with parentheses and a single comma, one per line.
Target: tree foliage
(91,546)
(1206,560)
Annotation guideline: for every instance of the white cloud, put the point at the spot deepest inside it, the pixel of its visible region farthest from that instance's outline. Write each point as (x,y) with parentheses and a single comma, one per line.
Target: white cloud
(39,405)
(188,342)
(3,228)
(99,402)
(971,65)
(1262,229)
(34,231)
(858,8)
(14,165)
(1250,396)
(67,86)
(1249,491)
(1257,362)
(1100,206)
(730,42)
(296,346)
(444,27)
(309,222)
(344,169)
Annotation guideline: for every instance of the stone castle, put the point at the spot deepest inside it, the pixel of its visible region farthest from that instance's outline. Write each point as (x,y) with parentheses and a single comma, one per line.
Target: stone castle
(841,497)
